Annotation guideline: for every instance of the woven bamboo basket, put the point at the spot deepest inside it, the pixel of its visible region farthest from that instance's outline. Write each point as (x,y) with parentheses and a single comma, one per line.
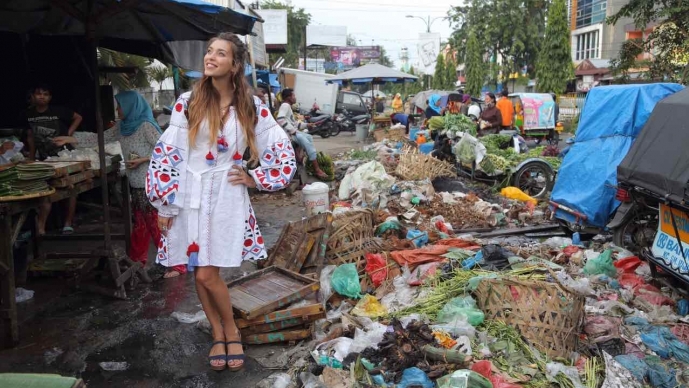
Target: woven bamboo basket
(415,166)
(390,134)
(352,237)
(549,317)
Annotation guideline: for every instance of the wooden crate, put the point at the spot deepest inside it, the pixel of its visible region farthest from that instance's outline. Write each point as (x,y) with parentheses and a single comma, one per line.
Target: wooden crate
(308,311)
(71,179)
(278,336)
(390,134)
(282,325)
(68,168)
(300,243)
(268,290)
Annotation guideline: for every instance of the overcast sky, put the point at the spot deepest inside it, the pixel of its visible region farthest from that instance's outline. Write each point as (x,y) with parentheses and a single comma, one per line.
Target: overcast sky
(382,22)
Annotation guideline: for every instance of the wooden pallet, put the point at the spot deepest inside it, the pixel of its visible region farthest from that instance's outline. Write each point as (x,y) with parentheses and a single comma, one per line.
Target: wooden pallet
(278,336)
(67,168)
(301,243)
(267,290)
(303,312)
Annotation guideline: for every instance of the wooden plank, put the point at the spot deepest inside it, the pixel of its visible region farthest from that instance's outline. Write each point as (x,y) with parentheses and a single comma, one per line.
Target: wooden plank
(67,168)
(264,290)
(244,302)
(281,325)
(288,252)
(8,308)
(284,282)
(71,180)
(300,257)
(280,336)
(277,316)
(528,229)
(312,256)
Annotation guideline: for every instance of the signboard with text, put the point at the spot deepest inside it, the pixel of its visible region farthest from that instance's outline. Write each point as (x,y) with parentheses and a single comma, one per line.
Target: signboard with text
(666,247)
(326,35)
(354,56)
(274,25)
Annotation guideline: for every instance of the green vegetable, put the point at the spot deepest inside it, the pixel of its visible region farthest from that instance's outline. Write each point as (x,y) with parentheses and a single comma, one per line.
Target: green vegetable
(436,123)
(326,164)
(459,123)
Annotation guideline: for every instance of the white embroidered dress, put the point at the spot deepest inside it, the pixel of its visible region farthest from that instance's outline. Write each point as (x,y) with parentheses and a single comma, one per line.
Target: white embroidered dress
(210,215)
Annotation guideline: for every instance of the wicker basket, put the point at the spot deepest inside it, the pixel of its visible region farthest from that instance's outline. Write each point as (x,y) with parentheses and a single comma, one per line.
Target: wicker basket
(547,316)
(390,134)
(415,166)
(352,237)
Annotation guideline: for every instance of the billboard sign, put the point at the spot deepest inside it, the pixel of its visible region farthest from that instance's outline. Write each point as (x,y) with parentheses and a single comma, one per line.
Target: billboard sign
(326,35)
(428,49)
(274,25)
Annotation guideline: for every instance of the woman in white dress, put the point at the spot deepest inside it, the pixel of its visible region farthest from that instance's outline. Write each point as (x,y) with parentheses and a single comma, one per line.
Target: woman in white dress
(197,181)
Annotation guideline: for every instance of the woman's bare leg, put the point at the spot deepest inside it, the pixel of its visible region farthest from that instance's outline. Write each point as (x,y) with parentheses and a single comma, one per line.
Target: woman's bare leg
(203,277)
(220,297)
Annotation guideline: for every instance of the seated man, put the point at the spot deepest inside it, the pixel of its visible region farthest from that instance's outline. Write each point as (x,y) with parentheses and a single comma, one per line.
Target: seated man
(44,123)
(285,118)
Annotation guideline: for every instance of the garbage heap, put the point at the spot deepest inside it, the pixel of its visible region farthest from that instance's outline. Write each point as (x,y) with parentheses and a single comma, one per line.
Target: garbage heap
(437,282)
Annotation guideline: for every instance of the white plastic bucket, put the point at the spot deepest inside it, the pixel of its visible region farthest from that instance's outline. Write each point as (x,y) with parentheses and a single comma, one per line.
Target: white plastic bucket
(361,132)
(316,198)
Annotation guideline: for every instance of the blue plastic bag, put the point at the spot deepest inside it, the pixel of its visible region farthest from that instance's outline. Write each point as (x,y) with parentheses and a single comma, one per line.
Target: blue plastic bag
(418,237)
(659,375)
(415,377)
(683,307)
(635,365)
(662,341)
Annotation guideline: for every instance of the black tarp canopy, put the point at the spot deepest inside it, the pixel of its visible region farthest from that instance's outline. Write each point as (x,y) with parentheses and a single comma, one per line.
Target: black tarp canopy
(659,159)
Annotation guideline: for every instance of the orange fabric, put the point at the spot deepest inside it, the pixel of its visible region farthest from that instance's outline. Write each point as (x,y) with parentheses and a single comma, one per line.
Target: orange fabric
(506,110)
(458,243)
(415,257)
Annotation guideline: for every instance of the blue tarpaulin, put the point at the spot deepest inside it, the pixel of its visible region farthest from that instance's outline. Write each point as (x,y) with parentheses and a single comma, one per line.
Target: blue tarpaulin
(611,120)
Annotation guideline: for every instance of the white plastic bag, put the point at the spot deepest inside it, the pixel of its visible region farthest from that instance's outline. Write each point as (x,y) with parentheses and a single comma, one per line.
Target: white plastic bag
(552,369)
(22,295)
(189,318)
(369,338)
(339,348)
(326,289)
(401,297)
(457,327)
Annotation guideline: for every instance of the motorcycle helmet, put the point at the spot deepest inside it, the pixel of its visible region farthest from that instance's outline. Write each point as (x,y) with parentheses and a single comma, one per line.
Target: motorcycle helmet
(474,112)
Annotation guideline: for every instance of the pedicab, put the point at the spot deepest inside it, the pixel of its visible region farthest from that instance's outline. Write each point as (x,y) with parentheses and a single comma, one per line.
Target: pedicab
(584,195)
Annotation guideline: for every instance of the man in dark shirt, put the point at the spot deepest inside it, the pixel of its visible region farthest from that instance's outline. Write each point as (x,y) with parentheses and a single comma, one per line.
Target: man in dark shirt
(45,122)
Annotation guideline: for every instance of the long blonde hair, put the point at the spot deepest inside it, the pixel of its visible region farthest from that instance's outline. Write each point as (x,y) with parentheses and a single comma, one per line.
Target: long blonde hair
(205,103)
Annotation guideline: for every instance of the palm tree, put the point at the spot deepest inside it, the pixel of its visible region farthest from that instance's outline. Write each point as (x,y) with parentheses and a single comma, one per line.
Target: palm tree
(124,81)
(159,74)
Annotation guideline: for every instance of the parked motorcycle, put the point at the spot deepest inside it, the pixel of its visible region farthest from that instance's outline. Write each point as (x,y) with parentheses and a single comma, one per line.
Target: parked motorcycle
(348,121)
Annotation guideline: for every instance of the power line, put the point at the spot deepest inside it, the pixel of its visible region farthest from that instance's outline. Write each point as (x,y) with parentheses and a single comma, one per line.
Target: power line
(378,10)
(391,5)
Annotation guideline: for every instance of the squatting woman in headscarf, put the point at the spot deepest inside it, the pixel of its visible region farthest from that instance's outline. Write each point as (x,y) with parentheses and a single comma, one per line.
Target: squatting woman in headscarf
(138,132)
(397,104)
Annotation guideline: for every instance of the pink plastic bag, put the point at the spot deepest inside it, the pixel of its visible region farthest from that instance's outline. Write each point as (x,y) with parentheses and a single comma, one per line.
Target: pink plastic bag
(485,369)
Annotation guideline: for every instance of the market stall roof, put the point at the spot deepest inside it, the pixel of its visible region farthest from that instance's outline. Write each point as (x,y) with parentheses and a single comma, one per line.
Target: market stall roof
(132,26)
(421,97)
(658,161)
(372,73)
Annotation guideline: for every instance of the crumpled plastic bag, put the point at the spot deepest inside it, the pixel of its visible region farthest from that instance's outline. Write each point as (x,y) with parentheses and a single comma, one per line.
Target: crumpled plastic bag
(659,375)
(512,192)
(402,297)
(188,318)
(457,327)
(601,265)
(485,369)
(552,369)
(326,289)
(339,348)
(345,281)
(415,377)
(422,272)
(369,307)
(661,340)
(463,306)
(464,379)
(369,338)
(600,328)
(636,366)
(370,176)
(376,268)
(495,257)
(617,375)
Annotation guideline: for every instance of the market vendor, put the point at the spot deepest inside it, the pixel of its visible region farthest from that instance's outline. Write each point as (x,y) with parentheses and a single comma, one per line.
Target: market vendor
(401,118)
(44,122)
(138,132)
(491,118)
(433,109)
(506,110)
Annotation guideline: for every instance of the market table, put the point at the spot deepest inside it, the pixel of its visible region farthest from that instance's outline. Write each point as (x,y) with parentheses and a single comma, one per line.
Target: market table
(72,179)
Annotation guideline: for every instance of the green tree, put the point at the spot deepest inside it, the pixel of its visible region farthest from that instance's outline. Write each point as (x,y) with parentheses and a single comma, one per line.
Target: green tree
(554,66)
(669,40)
(438,81)
(475,66)
(450,72)
(124,81)
(297,20)
(159,74)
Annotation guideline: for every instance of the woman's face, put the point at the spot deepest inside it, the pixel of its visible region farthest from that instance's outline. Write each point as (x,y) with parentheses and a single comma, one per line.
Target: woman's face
(218,61)
(488,99)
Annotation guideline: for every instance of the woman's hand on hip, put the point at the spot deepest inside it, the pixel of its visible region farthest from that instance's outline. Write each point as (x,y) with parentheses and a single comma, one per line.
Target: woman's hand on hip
(237,176)
(164,224)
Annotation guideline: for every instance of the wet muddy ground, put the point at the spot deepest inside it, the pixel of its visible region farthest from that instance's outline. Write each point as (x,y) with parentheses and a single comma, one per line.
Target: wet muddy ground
(70,332)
